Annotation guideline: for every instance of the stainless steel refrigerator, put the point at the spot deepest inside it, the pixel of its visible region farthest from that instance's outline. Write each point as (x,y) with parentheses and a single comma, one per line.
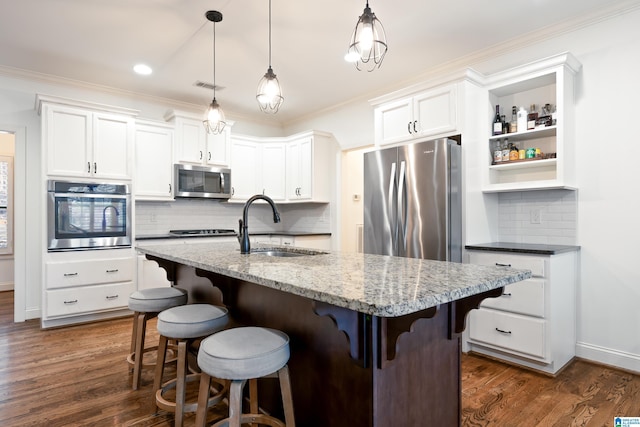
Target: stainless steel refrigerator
(412,201)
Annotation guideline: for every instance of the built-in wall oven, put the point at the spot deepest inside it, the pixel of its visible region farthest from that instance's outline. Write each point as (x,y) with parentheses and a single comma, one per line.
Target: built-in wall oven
(86,215)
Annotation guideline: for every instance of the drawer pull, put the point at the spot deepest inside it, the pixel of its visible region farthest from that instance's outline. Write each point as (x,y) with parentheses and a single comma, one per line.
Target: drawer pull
(112,297)
(112,271)
(507,295)
(71,302)
(70,274)
(502,265)
(503,332)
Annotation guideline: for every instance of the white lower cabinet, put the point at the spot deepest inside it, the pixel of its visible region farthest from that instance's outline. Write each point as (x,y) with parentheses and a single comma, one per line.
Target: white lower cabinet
(87,285)
(533,323)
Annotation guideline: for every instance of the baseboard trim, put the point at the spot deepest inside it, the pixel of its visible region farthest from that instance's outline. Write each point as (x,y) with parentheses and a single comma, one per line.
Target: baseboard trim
(7,286)
(610,357)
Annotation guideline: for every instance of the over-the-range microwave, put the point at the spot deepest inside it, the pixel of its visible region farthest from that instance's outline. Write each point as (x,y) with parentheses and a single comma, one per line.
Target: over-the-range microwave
(201,181)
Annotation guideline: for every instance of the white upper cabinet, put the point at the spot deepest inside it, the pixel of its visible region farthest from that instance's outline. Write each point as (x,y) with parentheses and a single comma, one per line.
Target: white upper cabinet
(195,145)
(82,142)
(549,81)
(298,168)
(153,176)
(428,113)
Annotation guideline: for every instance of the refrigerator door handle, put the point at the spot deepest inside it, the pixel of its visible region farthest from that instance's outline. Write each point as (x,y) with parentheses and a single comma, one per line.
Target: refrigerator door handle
(402,209)
(392,182)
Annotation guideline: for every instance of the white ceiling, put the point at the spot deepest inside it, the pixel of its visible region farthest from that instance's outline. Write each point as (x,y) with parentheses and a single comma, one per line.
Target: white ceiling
(99,41)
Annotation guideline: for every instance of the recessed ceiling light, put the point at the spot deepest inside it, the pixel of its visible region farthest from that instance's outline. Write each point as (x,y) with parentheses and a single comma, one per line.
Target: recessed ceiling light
(142,69)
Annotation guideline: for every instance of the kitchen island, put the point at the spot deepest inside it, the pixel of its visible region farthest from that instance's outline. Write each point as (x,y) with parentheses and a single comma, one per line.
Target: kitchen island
(375,340)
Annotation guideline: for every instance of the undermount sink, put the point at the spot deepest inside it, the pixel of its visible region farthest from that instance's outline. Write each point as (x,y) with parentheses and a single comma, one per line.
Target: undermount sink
(285,252)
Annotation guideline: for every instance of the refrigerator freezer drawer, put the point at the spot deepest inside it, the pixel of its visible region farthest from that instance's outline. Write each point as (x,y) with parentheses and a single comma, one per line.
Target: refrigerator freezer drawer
(526,297)
(509,332)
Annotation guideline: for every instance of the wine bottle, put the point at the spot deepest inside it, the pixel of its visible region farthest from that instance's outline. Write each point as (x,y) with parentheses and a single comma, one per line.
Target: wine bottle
(532,117)
(513,126)
(497,122)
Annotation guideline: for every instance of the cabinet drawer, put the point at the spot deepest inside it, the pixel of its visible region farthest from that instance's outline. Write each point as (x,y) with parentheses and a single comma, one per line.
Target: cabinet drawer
(526,297)
(78,273)
(70,301)
(525,335)
(535,264)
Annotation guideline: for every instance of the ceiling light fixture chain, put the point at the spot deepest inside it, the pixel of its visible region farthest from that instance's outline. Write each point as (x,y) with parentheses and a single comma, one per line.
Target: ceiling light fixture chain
(368,45)
(269,93)
(214,121)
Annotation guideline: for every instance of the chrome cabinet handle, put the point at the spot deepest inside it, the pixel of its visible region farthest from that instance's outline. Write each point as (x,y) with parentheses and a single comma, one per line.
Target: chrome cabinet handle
(503,332)
(409,127)
(502,265)
(112,271)
(414,127)
(112,297)
(233,191)
(71,302)
(70,274)
(507,295)
(88,167)
(209,155)
(200,154)
(95,167)
(169,188)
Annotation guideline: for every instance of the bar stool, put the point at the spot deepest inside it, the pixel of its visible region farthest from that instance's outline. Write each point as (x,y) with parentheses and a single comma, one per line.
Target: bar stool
(185,324)
(241,355)
(146,304)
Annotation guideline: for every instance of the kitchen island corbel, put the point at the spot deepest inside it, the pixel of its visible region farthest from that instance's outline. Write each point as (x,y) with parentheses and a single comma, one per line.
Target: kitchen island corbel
(374,339)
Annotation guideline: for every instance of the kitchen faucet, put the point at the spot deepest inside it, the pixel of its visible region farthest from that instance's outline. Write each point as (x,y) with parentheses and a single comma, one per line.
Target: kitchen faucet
(243,232)
(104,216)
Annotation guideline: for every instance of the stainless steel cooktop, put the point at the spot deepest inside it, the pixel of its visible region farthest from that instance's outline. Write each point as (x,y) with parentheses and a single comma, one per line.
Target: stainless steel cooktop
(204,232)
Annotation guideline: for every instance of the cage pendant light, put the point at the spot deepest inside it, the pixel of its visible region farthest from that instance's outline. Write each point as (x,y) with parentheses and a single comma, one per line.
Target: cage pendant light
(269,94)
(368,43)
(214,121)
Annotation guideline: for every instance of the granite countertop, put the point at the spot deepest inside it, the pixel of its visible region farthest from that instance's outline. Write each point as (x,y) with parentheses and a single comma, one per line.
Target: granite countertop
(195,236)
(523,248)
(373,284)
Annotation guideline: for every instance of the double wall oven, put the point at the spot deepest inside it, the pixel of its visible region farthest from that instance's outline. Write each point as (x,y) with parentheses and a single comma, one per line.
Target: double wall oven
(86,215)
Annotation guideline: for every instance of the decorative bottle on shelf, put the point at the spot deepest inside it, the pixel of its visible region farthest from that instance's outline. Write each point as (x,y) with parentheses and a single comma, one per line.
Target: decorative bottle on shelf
(505,150)
(513,153)
(532,117)
(522,119)
(497,152)
(505,124)
(513,125)
(497,122)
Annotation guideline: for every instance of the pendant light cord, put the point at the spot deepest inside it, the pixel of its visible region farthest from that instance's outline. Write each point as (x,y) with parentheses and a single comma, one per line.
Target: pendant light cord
(214,60)
(269,33)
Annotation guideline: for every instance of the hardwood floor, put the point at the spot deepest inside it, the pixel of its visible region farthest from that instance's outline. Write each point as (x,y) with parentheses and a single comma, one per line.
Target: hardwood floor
(78,376)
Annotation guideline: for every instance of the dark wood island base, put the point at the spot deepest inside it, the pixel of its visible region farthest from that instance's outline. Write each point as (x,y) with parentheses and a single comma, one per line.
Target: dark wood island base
(350,369)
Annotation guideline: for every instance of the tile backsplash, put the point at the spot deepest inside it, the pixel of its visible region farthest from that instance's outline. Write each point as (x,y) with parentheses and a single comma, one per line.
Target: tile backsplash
(181,214)
(546,217)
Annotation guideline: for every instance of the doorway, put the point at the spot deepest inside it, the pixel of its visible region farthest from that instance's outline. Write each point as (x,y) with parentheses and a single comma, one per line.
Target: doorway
(7,154)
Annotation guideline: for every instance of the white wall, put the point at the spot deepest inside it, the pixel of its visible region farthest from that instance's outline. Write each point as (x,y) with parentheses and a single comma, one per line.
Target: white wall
(607,94)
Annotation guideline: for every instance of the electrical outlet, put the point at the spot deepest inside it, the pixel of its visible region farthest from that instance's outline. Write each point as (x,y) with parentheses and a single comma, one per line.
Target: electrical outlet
(153,217)
(535,216)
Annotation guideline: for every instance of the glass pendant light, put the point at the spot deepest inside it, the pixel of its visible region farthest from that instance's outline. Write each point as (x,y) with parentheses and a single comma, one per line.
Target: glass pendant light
(368,43)
(269,94)
(214,121)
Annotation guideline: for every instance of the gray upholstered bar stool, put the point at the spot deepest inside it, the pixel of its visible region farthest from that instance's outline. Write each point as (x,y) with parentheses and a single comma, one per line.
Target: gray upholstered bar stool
(241,355)
(146,304)
(185,324)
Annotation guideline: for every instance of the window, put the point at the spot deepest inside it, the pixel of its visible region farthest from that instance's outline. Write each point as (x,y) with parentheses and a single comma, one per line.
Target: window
(6,205)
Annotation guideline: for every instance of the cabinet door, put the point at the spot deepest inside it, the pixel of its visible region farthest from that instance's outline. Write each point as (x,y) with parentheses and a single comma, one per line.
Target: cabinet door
(274,170)
(112,156)
(191,141)
(67,141)
(394,122)
(219,148)
(246,169)
(435,111)
(300,169)
(154,163)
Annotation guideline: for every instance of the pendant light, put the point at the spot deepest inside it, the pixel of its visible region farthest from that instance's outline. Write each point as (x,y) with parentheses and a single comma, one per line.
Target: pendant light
(214,116)
(269,94)
(368,43)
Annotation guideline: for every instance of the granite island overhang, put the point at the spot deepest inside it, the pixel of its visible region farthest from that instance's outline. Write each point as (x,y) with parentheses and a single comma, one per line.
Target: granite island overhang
(374,339)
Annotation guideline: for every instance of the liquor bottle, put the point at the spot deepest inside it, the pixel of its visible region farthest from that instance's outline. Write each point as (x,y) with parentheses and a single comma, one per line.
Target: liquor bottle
(522,120)
(513,153)
(505,124)
(513,125)
(497,152)
(532,117)
(505,150)
(497,122)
